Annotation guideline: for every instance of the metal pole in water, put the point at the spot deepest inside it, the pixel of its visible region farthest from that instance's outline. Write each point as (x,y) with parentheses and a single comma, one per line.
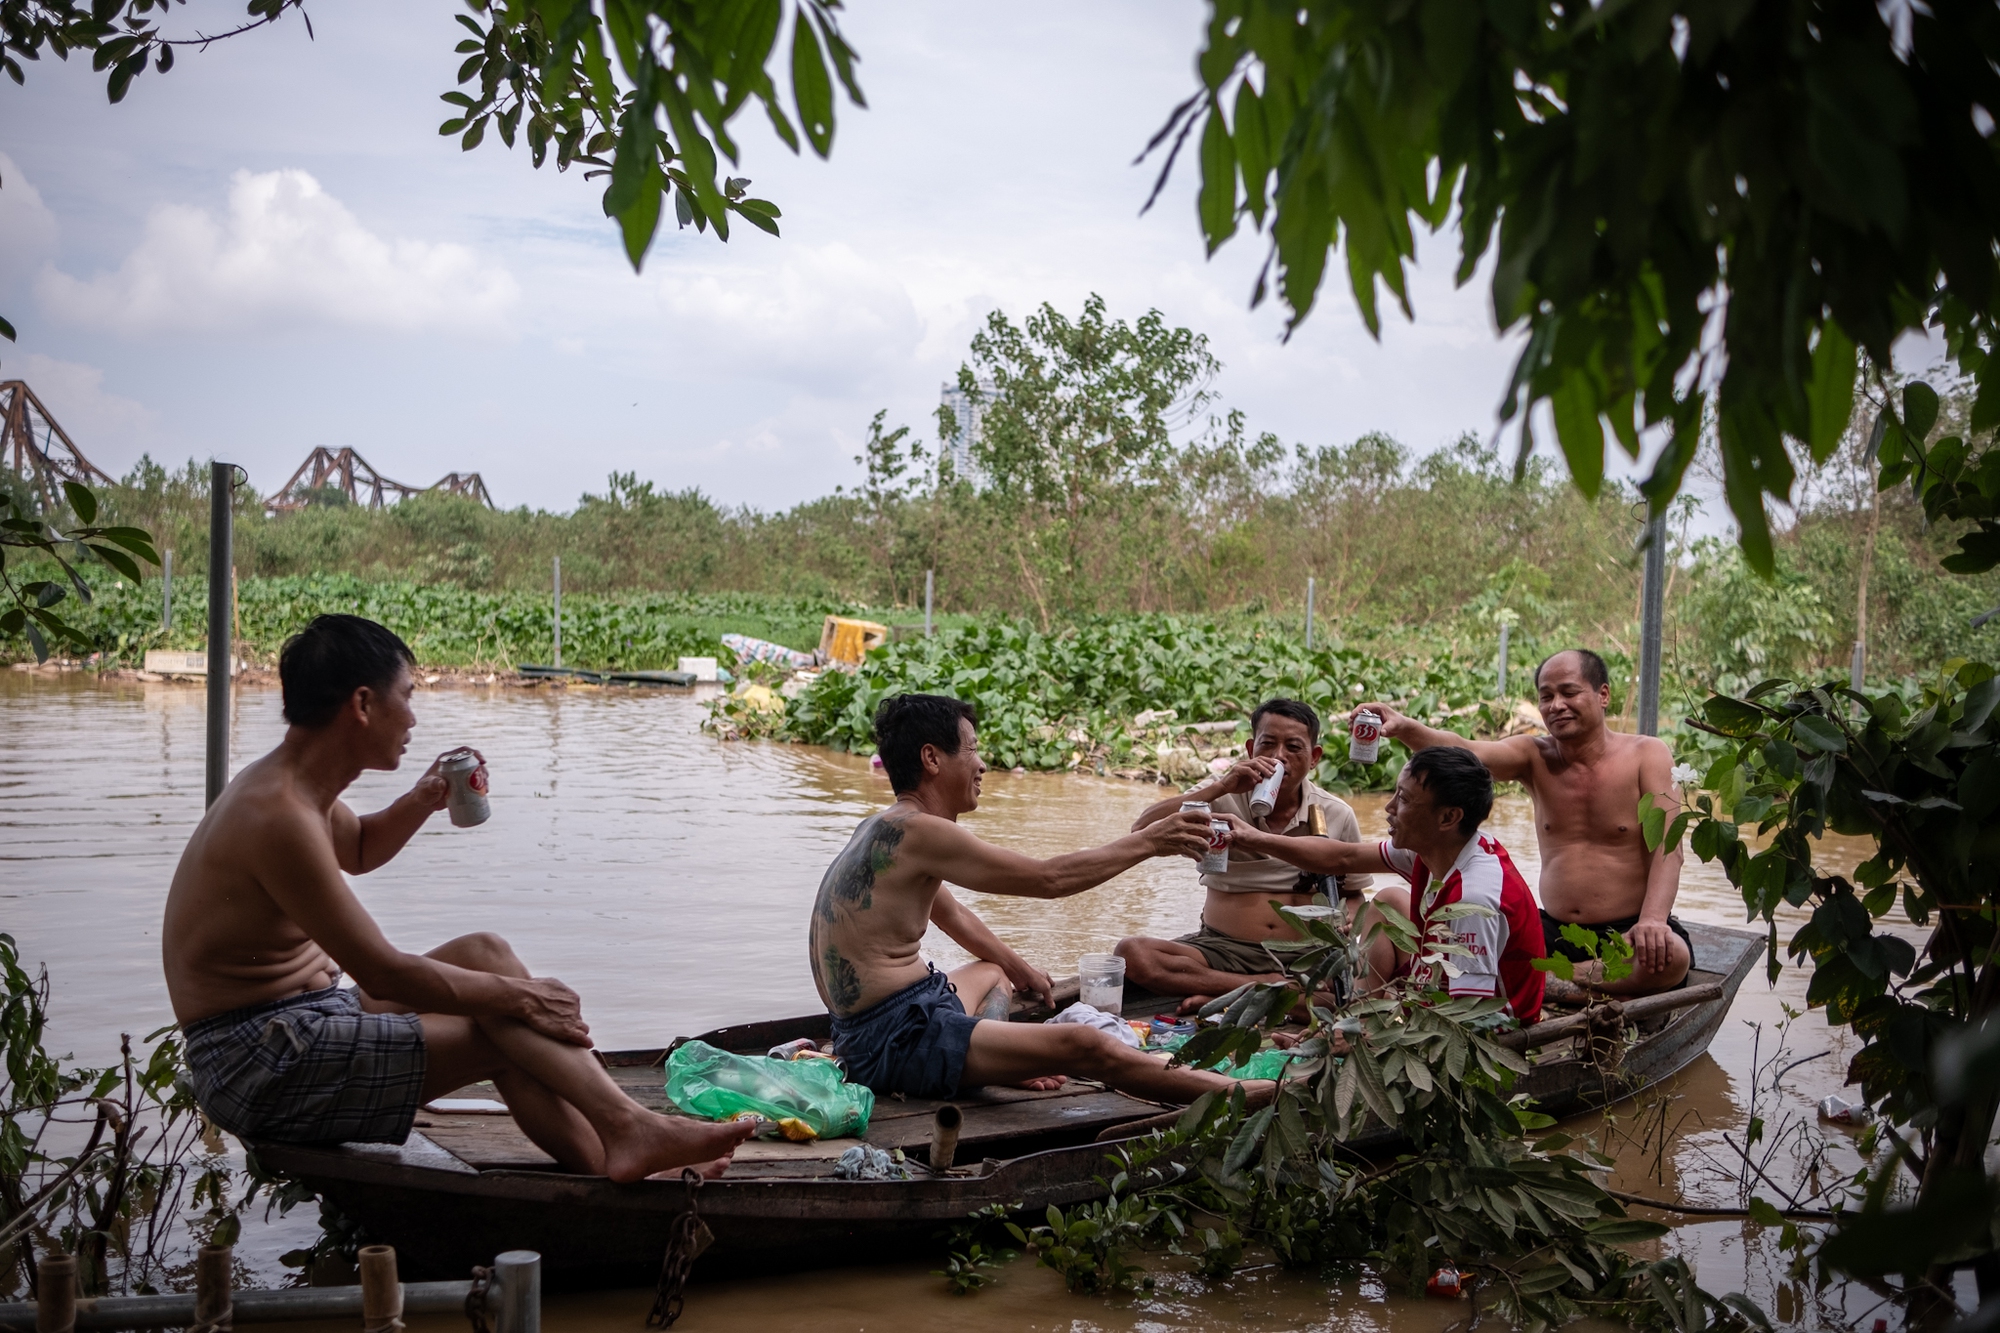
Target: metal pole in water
(1309,613)
(1654,593)
(221,520)
(167,590)
(930,588)
(558,614)
(1502,673)
(519,1273)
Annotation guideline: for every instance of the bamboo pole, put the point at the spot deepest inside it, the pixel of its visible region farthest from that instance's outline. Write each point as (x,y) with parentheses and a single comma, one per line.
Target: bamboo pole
(212,1276)
(381,1293)
(944,1136)
(291,1304)
(55,1294)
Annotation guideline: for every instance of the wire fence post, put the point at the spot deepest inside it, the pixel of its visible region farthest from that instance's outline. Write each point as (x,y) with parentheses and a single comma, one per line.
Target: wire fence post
(166,590)
(1650,616)
(1309,613)
(1501,673)
(558,610)
(221,616)
(930,589)
(1858,668)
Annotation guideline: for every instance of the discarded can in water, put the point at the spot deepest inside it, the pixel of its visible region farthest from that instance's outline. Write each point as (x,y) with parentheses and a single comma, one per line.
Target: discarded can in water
(1217,860)
(1364,736)
(466,799)
(1446,1283)
(792,1050)
(1264,795)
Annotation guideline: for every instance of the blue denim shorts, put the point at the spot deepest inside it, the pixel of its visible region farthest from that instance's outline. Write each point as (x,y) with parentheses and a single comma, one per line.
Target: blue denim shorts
(912,1043)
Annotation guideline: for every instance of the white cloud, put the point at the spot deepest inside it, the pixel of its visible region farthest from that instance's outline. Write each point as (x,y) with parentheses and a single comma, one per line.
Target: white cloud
(288,254)
(110,430)
(27,227)
(821,318)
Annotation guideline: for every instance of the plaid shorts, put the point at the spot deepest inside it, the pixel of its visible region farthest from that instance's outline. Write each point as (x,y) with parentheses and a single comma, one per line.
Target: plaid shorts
(311,1068)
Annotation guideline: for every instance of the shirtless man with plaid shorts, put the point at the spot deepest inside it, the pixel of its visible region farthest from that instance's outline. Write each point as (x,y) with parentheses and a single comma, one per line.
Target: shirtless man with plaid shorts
(260,925)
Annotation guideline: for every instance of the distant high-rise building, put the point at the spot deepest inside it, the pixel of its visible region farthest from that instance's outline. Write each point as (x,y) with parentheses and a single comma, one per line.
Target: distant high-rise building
(960,447)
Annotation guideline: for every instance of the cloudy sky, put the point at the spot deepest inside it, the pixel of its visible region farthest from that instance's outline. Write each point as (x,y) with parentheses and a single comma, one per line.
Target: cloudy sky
(271,248)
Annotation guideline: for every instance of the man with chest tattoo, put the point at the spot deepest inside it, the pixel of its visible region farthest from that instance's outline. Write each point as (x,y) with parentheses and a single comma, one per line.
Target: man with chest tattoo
(1585,780)
(901,1025)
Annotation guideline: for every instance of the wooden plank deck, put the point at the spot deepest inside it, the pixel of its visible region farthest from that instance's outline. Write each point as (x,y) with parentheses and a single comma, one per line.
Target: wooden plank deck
(991,1116)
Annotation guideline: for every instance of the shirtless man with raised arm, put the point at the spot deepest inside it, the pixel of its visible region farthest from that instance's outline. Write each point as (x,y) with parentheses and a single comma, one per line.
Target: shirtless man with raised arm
(1585,780)
(260,925)
(901,1025)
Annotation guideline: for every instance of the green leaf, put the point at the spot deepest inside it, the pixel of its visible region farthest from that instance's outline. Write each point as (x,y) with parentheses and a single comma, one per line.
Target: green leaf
(812,87)
(1819,734)
(1574,404)
(81,501)
(6,330)
(1764,1213)
(1920,409)
(1732,717)
(1626,1231)
(1831,405)
(1216,202)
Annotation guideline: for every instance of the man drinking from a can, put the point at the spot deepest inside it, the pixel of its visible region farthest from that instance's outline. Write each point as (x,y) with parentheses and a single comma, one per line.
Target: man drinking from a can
(1241,938)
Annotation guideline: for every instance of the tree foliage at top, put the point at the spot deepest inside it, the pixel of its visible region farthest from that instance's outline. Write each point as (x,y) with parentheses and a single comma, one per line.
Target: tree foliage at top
(1689,204)
(641,91)
(1685,201)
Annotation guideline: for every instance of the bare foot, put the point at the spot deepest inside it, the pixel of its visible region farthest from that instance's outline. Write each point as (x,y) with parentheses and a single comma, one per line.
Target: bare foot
(1049,1084)
(659,1143)
(706,1170)
(1193,1003)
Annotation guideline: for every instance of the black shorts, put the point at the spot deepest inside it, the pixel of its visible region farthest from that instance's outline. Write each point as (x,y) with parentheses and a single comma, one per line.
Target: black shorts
(1553,943)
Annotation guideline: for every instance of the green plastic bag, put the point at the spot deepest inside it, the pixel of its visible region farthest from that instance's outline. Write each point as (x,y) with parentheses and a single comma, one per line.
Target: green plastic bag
(716,1085)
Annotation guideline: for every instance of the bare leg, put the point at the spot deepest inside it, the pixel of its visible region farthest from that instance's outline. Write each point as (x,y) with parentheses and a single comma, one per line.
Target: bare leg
(1168,967)
(1379,956)
(560,1084)
(1643,980)
(1010,1052)
(977,980)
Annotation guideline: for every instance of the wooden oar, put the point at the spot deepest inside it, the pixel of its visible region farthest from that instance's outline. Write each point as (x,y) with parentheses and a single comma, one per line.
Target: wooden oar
(1631,1010)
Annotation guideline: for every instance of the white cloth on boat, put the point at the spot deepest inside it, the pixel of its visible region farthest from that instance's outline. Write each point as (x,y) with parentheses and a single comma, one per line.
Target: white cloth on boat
(1093,1017)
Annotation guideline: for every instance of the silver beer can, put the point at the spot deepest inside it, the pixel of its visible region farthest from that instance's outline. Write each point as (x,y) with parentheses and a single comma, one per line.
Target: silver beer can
(466,799)
(1264,796)
(1364,736)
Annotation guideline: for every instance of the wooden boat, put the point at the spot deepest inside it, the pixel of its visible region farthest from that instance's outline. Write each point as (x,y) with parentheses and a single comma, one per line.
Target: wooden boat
(467,1186)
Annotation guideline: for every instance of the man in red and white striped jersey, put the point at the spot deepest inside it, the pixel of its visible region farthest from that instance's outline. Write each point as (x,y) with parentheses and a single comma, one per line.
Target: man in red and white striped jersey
(1442,796)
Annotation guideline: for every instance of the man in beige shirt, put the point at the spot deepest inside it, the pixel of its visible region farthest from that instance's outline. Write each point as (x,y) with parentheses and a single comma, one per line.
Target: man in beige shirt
(1241,937)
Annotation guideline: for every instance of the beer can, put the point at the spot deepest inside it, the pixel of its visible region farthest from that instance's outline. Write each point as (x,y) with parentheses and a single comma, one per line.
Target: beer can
(1364,736)
(1217,860)
(466,799)
(1264,796)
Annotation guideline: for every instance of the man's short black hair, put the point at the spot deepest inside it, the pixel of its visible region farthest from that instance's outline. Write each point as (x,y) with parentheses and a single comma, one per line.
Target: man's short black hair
(1595,673)
(322,666)
(1290,708)
(1454,776)
(906,723)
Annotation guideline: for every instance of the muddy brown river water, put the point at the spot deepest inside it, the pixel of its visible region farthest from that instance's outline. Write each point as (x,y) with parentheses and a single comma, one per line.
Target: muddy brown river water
(668,877)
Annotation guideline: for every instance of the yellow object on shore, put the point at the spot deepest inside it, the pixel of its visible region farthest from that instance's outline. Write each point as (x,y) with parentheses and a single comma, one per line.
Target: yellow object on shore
(759,697)
(847,641)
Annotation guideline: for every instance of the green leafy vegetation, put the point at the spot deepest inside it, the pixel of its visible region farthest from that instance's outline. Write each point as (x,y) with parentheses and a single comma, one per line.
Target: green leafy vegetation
(1920,777)
(1397,1142)
(146,1184)
(1121,693)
